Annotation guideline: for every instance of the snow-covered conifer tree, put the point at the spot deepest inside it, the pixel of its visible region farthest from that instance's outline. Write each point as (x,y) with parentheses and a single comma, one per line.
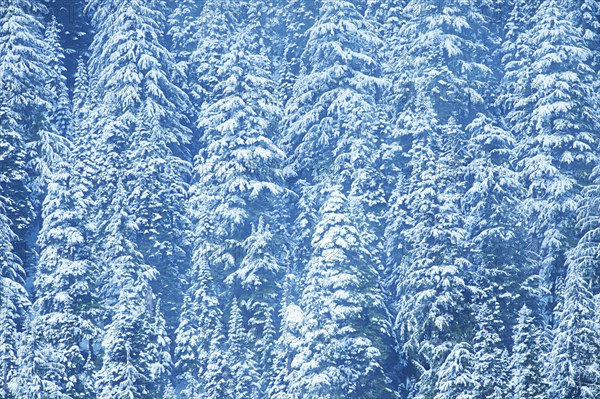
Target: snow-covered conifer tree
(575,365)
(550,109)
(345,329)
(526,364)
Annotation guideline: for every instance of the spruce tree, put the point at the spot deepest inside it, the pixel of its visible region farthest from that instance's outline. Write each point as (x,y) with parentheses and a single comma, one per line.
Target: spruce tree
(495,222)
(527,379)
(14,304)
(64,316)
(238,194)
(345,331)
(240,359)
(455,379)
(551,111)
(200,321)
(141,134)
(129,304)
(24,71)
(490,356)
(433,278)
(332,133)
(575,368)
(60,111)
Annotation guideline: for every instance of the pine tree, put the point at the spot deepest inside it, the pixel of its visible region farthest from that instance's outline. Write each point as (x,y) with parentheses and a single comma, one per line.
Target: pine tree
(286,347)
(24,117)
(142,135)
(128,336)
(66,301)
(183,28)
(585,253)
(295,17)
(212,39)
(445,48)
(217,372)
(238,194)
(433,278)
(345,331)
(260,273)
(332,124)
(575,368)
(553,116)
(40,369)
(527,379)
(14,303)
(455,378)
(495,223)
(490,357)
(200,321)
(60,112)
(244,378)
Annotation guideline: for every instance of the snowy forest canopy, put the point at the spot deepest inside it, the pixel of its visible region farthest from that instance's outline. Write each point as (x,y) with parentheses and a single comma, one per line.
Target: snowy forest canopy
(299,199)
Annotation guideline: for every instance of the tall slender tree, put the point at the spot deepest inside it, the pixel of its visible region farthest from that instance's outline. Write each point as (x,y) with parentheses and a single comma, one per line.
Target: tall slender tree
(527,374)
(345,332)
(549,86)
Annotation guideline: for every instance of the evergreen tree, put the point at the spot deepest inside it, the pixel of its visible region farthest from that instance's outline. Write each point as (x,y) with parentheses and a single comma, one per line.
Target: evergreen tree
(433,278)
(217,372)
(585,253)
(65,307)
(244,378)
(238,197)
(141,135)
(200,321)
(14,303)
(128,337)
(345,331)
(445,48)
(332,124)
(24,70)
(286,347)
(527,379)
(553,116)
(40,370)
(183,26)
(494,221)
(295,18)
(455,378)
(575,368)
(212,40)
(490,357)
(60,112)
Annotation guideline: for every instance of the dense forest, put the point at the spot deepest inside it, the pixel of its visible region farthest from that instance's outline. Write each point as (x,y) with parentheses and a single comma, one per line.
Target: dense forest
(299,199)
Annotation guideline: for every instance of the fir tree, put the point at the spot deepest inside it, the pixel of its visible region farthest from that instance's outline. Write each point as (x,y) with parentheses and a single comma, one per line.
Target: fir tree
(490,357)
(495,222)
(552,114)
(65,307)
(24,70)
(60,112)
(40,369)
(345,331)
(126,369)
(244,378)
(433,278)
(200,320)
(575,368)
(14,304)
(455,375)
(286,347)
(527,379)
(142,135)
(238,194)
